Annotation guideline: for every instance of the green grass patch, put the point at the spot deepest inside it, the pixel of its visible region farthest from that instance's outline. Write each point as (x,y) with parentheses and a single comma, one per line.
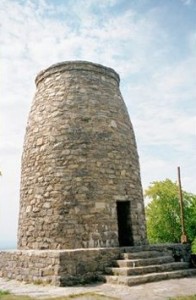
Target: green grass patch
(4,292)
(5,295)
(14,297)
(193,297)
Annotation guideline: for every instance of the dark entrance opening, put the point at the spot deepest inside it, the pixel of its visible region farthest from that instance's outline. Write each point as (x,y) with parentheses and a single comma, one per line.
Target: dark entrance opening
(125,236)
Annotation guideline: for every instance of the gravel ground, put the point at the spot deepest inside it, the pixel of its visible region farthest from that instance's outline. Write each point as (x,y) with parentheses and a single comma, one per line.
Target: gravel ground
(150,291)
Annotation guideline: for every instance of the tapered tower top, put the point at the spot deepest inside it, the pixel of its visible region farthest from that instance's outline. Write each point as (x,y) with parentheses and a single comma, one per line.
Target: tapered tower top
(78,65)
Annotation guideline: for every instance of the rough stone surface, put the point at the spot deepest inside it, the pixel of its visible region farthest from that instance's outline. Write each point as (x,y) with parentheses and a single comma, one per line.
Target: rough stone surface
(80,181)
(79,160)
(57,267)
(162,290)
(79,266)
(151,263)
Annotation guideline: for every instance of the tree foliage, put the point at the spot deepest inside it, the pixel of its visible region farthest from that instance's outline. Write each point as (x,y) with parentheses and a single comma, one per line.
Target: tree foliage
(163,213)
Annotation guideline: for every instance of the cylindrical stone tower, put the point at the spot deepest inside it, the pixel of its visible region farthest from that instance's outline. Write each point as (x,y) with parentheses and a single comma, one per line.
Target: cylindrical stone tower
(80,183)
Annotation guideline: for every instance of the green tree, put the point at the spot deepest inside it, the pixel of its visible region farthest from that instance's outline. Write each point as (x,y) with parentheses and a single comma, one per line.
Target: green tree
(163,213)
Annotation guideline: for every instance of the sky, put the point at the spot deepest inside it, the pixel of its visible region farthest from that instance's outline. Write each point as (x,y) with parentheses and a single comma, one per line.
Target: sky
(151,44)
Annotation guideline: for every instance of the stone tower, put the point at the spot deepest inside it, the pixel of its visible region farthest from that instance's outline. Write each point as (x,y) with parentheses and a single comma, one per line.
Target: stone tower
(80,183)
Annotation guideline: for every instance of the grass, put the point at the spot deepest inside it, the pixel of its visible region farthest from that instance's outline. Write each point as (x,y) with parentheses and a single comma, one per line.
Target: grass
(14,297)
(4,292)
(193,297)
(5,295)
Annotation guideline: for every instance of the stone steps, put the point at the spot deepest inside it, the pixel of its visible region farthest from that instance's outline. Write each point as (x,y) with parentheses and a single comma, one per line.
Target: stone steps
(144,248)
(148,269)
(143,261)
(146,266)
(145,254)
(141,279)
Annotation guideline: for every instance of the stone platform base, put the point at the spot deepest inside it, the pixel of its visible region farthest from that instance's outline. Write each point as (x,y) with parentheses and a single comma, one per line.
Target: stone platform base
(56,267)
(71,267)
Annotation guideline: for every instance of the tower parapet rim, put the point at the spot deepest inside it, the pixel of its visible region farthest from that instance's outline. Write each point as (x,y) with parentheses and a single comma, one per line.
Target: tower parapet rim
(76,65)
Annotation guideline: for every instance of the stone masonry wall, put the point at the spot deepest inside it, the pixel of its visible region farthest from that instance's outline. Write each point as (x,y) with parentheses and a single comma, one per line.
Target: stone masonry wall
(79,159)
(56,267)
(70,267)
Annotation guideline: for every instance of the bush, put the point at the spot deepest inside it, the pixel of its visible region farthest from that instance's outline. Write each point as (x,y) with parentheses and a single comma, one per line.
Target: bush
(193,248)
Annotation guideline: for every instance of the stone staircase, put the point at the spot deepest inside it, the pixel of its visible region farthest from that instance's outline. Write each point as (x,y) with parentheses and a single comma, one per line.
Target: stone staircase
(146,266)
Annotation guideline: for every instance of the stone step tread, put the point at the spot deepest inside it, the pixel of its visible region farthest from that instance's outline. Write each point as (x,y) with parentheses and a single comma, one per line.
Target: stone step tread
(155,247)
(140,279)
(143,254)
(186,264)
(147,269)
(136,262)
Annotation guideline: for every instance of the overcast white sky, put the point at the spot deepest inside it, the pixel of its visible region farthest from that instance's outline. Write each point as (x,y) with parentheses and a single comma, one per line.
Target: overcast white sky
(150,43)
